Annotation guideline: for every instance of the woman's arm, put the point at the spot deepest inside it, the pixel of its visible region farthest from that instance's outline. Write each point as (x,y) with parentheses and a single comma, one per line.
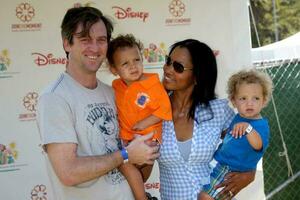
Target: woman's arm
(234,182)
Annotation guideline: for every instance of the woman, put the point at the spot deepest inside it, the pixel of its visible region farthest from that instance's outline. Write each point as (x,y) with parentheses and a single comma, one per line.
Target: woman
(190,139)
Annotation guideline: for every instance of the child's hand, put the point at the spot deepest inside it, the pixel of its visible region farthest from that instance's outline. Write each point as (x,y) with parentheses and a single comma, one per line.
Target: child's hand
(139,126)
(239,129)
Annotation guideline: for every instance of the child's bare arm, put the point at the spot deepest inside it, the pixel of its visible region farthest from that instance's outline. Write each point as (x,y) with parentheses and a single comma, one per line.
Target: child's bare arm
(253,137)
(145,123)
(135,180)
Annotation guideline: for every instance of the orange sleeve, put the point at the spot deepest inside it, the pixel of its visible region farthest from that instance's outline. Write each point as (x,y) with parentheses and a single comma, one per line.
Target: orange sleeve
(164,110)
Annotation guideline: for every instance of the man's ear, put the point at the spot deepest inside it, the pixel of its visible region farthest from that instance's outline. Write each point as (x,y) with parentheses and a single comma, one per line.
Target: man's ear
(66,45)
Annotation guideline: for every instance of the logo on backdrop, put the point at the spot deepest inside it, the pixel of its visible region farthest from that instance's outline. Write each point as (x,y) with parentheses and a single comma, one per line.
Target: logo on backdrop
(39,192)
(154,185)
(9,157)
(49,59)
(216,52)
(25,13)
(29,102)
(155,54)
(5,62)
(129,13)
(150,187)
(78,4)
(8,153)
(179,13)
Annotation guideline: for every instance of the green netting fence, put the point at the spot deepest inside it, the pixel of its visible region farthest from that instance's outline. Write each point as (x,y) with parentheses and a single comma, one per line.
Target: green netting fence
(281,163)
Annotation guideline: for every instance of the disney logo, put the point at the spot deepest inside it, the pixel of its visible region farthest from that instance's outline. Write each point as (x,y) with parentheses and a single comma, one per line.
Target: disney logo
(43,60)
(128,13)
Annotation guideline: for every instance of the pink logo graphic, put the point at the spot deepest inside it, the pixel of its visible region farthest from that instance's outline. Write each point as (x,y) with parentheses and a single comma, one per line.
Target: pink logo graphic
(154,185)
(128,13)
(42,60)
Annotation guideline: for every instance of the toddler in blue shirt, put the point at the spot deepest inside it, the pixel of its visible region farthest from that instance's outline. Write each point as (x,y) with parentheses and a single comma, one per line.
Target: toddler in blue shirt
(248,135)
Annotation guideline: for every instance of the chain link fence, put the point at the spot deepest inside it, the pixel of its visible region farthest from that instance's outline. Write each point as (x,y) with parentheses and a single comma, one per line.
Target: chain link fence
(281,163)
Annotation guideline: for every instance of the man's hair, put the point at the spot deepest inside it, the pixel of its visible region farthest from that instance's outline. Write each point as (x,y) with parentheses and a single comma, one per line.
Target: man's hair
(120,42)
(248,77)
(85,16)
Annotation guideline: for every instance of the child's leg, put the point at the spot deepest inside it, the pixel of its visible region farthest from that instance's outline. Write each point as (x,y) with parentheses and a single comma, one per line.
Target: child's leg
(135,180)
(146,171)
(217,175)
(204,196)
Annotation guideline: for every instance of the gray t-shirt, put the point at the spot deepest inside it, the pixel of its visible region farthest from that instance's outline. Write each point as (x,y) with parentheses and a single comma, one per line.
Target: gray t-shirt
(70,113)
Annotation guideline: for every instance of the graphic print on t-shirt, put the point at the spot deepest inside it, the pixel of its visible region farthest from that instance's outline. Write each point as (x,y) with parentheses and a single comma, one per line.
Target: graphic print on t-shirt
(103,133)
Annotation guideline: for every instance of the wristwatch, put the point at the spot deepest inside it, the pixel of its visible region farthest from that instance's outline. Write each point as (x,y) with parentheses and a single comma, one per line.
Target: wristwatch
(248,129)
(124,155)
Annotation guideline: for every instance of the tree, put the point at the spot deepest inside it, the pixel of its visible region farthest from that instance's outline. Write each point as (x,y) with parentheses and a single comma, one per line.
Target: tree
(271,16)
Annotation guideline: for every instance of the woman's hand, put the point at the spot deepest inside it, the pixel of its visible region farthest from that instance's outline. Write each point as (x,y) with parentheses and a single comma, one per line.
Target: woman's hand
(233,183)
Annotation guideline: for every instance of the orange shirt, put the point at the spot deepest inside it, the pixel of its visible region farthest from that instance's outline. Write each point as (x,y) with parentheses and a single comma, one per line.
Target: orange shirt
(138,101)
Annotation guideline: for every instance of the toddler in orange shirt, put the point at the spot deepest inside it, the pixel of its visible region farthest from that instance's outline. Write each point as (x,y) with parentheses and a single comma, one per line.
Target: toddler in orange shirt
(142,102)
(141,99)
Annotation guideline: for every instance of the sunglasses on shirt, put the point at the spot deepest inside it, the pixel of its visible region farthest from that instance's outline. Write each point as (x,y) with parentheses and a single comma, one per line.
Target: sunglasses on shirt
(178,67)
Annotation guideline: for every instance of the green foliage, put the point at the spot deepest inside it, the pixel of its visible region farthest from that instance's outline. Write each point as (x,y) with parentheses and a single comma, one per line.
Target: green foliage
(287,18)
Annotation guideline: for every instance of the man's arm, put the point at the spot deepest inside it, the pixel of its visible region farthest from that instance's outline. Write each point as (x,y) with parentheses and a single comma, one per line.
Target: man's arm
(72,169)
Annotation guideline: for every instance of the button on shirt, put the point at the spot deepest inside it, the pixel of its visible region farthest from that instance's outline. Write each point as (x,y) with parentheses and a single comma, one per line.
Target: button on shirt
(183,180)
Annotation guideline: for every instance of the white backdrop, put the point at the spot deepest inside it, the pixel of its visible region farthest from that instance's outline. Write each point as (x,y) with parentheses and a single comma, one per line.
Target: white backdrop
(31,55)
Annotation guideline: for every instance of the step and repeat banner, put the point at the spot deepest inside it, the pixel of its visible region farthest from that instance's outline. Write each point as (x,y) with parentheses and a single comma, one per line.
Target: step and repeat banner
(31,55)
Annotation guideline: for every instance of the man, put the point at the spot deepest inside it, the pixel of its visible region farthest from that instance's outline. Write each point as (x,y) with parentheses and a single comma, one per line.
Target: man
(77,118)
